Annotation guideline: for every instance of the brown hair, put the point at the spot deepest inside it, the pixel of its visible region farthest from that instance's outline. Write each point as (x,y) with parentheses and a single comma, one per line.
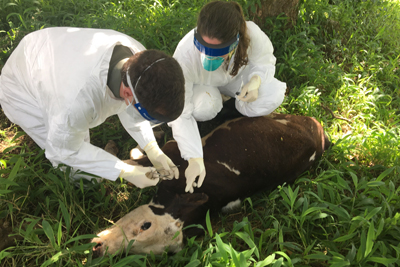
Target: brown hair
(223,21)
(161,88)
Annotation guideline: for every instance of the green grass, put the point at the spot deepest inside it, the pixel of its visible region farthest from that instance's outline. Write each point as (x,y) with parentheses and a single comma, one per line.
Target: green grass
(341,63)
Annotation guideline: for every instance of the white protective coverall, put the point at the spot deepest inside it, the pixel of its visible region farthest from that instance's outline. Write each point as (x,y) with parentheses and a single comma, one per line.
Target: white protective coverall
(54,87)
(203,88)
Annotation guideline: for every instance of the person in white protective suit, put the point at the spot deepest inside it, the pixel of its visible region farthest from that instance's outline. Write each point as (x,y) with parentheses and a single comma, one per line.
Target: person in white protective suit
(223,55)
(60,82)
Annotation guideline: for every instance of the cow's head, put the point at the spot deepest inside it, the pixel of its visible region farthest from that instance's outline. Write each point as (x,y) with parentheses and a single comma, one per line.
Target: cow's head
(152,227)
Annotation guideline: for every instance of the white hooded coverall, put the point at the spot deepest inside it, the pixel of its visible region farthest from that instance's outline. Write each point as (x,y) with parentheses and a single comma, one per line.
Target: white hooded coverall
(203,88)
(54,87)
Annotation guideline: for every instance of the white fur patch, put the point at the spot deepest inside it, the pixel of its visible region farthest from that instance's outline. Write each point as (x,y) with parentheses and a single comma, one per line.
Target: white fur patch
(313,156)
(229,168)
(233,205)
(157,205)
(283,121)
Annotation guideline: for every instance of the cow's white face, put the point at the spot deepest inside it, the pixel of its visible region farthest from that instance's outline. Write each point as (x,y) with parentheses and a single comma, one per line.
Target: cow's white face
(149,231)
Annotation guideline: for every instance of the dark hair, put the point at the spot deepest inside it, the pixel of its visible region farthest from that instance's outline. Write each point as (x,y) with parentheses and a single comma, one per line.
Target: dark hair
(223,21)
(161,88)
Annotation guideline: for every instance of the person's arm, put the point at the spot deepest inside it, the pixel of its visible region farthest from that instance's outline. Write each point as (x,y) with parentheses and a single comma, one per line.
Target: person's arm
(72,150)
(142,132)
(138,128)
(262,63)
(187,136)
(184,129)
(260,54)
(66,144)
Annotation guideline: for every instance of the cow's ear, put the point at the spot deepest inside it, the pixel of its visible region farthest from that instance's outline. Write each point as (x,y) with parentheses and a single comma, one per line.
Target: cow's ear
(183,206)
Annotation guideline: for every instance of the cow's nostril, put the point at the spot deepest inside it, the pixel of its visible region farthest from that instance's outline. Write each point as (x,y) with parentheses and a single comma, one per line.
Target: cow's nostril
(97,250)
(98,246)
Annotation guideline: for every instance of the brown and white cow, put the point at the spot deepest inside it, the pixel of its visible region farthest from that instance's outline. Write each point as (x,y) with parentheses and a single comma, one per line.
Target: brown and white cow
(242,157)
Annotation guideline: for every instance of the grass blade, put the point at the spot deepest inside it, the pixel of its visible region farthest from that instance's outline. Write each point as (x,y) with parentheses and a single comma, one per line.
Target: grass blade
(208,224)
(49,233)
(370,239)
(221,248)
(66,215)
(14,171)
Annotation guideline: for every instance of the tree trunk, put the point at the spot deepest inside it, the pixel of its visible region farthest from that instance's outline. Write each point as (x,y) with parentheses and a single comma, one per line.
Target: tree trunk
(272,8)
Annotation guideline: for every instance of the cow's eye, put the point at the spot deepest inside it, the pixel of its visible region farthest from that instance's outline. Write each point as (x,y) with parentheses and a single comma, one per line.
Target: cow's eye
(146,226)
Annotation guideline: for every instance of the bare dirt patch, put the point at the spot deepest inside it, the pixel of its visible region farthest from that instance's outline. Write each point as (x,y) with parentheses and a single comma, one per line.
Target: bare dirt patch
(9,131)
(5,239)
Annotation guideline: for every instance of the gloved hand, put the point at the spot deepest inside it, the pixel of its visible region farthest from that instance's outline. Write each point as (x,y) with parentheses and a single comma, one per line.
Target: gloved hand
(160,160)
(249,91)
(195,168)
(140,176)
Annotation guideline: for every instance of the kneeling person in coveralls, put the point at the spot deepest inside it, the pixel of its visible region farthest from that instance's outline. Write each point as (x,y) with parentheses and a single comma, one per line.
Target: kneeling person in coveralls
(226,55)
(60,82)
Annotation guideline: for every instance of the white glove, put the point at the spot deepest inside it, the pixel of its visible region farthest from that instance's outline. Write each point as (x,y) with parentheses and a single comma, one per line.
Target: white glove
(161,161)
(140,176)
(250,90)
(196,168)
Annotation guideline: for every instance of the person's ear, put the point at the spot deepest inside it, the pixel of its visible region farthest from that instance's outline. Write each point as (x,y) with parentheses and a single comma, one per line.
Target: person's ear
(126,91)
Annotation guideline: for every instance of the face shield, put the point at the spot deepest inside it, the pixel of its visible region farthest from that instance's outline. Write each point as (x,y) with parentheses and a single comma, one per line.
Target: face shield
(212,56)
(143,112)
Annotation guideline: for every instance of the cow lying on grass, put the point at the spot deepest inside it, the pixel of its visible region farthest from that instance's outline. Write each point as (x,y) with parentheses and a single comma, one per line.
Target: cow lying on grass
(242,157)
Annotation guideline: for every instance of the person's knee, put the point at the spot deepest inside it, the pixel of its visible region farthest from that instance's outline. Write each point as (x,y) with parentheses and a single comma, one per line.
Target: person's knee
(207,102)
(270,98)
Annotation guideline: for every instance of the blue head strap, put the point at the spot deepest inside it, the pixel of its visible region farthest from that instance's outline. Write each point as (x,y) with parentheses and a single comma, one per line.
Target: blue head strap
(214,50)
(143,112)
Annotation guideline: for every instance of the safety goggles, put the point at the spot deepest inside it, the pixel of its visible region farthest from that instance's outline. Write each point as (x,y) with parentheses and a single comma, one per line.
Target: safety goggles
(211,50)
(143,112)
